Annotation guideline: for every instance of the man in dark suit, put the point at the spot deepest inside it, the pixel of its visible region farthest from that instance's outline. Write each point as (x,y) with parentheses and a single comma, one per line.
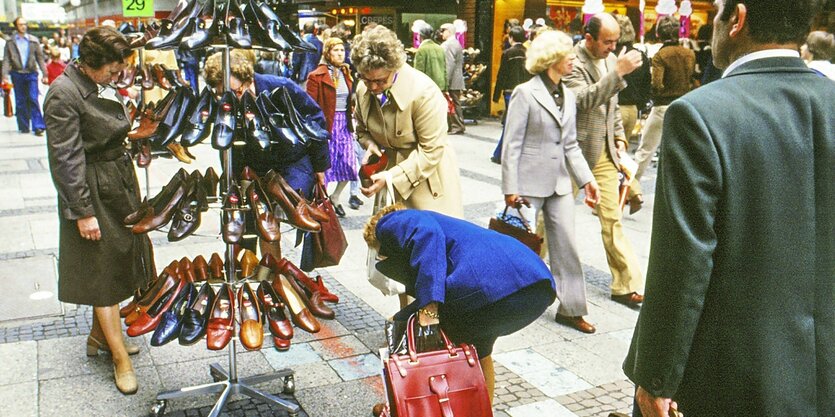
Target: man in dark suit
(23,58)
(738,318)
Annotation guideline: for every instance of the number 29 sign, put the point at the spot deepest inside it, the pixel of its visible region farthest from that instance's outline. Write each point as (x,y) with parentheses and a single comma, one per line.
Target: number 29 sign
(138,8)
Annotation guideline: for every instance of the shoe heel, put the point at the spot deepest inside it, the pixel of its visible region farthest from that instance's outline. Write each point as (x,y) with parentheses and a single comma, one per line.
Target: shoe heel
(92,350)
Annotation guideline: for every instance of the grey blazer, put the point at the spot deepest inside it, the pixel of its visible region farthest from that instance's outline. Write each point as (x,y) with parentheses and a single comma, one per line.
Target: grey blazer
(13,62)
(540,147)
(598,115)
(454,64)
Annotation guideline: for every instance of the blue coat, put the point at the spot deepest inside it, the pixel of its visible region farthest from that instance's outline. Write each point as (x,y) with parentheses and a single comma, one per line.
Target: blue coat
(454,262)
(305,62)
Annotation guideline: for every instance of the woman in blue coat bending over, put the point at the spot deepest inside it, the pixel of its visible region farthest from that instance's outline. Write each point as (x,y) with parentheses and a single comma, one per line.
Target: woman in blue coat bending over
(476,283)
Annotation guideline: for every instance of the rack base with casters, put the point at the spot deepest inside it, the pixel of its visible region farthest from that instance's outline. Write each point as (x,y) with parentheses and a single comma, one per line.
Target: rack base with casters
(226,387)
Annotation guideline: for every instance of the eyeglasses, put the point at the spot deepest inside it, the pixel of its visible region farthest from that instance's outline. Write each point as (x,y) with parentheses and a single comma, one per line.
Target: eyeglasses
(377,81)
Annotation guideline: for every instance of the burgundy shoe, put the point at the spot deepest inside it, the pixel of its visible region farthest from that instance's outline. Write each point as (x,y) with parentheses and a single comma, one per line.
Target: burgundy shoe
(576,322)
(314,289)
(632,299)
(280,325)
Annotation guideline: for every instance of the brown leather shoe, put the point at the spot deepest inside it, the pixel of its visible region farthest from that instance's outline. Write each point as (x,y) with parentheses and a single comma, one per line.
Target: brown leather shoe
(279,324)
(280,344)
(312,299)
(220,327)
(155,220)
(211,181)
(150,120)
(147,79)
(166,281)
(299,313)
(262,212)
(201,268)
(216,266)
(632,299)
(314,288)
(635,204)
(143,157)
(576,322)
(297,199)
(158,73)
(298,214)
(252,326)
(179,152)
(248,263)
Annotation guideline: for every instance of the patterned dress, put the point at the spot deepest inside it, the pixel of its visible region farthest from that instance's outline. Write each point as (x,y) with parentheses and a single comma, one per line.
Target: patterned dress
(344,164)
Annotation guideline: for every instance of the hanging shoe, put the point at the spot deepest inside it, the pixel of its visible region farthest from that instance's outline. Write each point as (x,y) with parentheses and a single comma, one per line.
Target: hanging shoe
(220,325)
(248,263)
(233,218)
(201,268)
(187,216)
(262,212)
(178,152)
(210,182)
(148,321)
(277,320)
(216,266)
(171,322)
(237,30)
(257,131)
(198,118)
(203,32)
(252,326)
(225,121)
(160,217)
(277,120)
(315,290)
(196,316)
(299,313)
(298,213)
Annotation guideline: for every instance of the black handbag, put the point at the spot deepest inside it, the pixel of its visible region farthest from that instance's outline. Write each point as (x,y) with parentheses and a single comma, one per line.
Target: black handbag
(508,225)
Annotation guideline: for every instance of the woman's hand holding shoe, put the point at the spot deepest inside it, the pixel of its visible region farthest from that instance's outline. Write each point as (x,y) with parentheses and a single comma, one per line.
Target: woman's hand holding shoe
(378,184)
(89,228)
(371,149)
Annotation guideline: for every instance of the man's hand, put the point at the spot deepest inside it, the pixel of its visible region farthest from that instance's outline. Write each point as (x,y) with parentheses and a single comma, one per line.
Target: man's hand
(652,406)
(628,62)
(88,227)
(372,149)
(592,193)
(379,183)
(45,80)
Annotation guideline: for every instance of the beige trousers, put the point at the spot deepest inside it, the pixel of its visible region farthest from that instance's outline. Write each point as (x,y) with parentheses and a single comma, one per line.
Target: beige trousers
(650,139)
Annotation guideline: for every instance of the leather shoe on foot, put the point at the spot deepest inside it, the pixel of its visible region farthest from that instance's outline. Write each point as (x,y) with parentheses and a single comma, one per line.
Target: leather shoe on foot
(354,202)
(339,210)
(635,204)
(576,322)
(632,299)
(39,132)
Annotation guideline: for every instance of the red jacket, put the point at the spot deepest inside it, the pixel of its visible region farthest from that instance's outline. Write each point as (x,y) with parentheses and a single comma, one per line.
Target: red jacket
(54,69)
(321,89)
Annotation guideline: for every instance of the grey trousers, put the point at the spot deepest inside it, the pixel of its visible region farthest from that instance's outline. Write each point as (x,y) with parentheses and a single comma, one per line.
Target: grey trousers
(558,215)
(456,120)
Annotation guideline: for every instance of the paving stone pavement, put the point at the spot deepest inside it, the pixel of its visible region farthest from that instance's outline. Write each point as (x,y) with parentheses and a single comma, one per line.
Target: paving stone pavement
(544,370)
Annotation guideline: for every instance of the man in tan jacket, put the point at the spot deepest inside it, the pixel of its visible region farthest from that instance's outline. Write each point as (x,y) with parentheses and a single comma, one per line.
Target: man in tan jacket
(596,79)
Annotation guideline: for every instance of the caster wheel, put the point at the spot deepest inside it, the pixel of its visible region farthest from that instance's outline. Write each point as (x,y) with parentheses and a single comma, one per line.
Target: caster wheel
(159,408)
(289,384)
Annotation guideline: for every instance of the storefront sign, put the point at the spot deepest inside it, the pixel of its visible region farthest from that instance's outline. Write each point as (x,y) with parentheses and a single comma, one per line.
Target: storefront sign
(386,20)
(138,8)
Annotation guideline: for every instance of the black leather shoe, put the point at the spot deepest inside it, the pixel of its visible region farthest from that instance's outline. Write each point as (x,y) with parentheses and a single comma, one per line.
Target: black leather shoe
(168,132)
(199,115)
(225,121)
(307,126)
(171,322)
(286,108)
(339,210)
(233,217)
(257,132)
(265,26)
(196,315)
(187,215)
(210,182)
(276,120)
(203,33)
(39,132)
(170,118)
(237,30)
(289,35)
(173,28)
(354,202)
(156,202)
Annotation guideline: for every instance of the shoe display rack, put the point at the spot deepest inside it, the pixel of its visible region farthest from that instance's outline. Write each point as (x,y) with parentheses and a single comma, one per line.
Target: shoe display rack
(222,25)
(471,97)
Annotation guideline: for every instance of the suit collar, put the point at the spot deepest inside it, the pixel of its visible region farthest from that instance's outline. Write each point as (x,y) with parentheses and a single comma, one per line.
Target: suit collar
(757,55)
(541,94)
(587,60)
(773,64)
(403,91)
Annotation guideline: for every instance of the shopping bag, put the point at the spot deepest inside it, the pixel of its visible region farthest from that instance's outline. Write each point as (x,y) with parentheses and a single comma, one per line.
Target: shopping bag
(439,383)
(518,228)
(330,243)
(379,280)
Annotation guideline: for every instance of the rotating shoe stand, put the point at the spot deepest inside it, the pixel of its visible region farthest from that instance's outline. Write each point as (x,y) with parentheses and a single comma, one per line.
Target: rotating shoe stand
(227,382)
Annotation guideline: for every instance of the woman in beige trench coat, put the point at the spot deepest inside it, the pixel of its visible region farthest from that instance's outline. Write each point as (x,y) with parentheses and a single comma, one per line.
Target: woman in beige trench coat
(401,110)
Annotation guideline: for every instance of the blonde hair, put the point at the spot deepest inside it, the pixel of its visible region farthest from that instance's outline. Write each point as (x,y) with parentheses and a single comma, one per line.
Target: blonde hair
(821,45)
(378,48)
(327,46)
(548,48)
(627,31)
(240,67)
(369,232)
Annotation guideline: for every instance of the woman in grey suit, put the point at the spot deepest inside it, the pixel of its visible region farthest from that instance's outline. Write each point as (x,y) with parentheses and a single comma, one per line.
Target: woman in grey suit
(540,157)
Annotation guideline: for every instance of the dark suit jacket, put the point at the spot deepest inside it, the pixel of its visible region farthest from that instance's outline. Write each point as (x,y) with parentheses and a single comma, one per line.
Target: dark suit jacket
(454,262)
(739,317)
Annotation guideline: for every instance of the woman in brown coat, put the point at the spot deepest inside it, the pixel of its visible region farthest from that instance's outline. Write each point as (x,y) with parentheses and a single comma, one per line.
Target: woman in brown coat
(100,261)
(331,86)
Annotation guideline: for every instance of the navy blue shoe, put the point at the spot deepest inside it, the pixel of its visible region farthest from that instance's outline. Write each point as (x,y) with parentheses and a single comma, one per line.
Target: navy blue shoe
(196,316)
(169,325)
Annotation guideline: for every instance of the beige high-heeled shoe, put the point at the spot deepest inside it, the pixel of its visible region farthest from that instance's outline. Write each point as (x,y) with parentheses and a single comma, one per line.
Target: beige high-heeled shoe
(94,346)
(126,381)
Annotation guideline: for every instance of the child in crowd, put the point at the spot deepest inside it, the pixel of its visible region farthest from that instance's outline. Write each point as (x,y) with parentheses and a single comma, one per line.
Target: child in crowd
(56,66)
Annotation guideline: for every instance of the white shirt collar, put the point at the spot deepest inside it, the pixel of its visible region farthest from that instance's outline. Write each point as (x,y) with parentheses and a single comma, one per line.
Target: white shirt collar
(766,53)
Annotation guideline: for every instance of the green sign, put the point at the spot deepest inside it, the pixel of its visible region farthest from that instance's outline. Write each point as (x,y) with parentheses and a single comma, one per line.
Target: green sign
(138,8)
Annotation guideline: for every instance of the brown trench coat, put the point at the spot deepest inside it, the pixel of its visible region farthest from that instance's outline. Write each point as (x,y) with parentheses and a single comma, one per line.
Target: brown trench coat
(412,125)
(93,176)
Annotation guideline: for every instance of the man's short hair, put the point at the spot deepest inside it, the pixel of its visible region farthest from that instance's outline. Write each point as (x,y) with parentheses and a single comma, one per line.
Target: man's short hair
(308,27)
(593,26)
(517,34)
(775,21)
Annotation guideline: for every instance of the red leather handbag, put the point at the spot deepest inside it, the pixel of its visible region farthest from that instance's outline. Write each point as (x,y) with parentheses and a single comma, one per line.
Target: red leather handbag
(328,245)
(441,383)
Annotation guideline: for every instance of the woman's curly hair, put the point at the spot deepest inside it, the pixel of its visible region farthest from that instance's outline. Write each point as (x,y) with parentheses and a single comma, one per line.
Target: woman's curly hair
(378,48)
(546,49)
(240,67)
(369,233)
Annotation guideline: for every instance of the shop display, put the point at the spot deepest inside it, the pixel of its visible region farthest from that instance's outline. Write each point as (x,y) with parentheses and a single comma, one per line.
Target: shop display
(474,76)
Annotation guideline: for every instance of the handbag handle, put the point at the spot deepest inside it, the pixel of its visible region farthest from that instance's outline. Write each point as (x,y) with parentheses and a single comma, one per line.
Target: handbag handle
(410,338)
(521,216)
